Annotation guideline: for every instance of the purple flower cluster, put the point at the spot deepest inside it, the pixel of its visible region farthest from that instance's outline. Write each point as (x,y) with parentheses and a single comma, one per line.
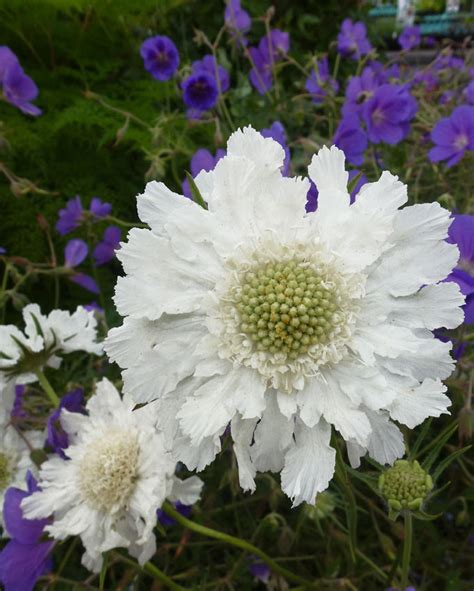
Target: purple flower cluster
(320,83)
(386,109)
(453,136)
(72,216)
(270,50)
(202,88)
(352,40)
(18,88)
(26,557)
(160,57)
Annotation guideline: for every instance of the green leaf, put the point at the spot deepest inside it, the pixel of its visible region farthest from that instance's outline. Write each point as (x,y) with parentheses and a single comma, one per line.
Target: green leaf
(437,445)
(447,461)
(196,194)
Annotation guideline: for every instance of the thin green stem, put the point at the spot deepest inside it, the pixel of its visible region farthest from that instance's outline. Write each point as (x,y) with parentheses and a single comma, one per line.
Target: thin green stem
(239,543)
(43,380)
(407,543)
(155,572)
(351,510)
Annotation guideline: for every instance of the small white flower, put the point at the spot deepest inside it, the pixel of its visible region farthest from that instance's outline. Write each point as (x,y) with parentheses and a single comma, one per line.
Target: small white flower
(285,323)
(44,339)
(118,474)
(15,458)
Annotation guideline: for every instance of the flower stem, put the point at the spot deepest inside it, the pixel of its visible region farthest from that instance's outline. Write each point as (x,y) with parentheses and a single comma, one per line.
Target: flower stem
(43,380)
(153,571)
(239,543)
(407,542)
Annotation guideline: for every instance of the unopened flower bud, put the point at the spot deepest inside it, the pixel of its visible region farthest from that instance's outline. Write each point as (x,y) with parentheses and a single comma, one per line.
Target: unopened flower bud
(405,485)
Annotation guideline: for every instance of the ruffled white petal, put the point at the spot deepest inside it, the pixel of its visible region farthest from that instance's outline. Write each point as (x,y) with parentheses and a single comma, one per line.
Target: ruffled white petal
(242,434)
(309,463)
(413,405)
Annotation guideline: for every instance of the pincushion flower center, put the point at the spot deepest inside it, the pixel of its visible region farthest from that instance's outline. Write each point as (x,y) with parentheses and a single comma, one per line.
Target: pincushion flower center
(286,308)
(109,470)
(5,471)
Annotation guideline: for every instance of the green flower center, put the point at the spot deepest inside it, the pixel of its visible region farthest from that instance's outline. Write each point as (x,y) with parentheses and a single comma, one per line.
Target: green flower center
(405,485)
(5,471)
(287,308)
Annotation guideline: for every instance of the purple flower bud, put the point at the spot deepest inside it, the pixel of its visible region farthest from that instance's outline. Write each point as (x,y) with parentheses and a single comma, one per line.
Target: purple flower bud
(75,252)
(85,281)
(70,217)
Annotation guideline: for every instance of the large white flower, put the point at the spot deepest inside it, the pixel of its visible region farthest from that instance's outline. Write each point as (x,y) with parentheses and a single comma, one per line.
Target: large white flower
(285,323)
(44,339)
(118,474)
(15,458)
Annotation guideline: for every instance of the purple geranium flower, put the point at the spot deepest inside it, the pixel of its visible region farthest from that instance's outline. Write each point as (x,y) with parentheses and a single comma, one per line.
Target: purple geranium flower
(261,75)
(99,208)
(166,520)
(237,20)
(70,217)
(208,65)
(388,113)
(25,558)
(359,90)
(7,60)
(3,250)
(200,91)
(19,90)
(319,82)
(259,569)
(277,132)
(352,39)
(410,38)
(351,139)
(104,252)
(461,232)
(453,136)
(160,57)
(57,438)
(201,160)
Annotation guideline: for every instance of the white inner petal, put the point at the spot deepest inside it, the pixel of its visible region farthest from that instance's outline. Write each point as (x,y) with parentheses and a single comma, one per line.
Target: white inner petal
(109,470)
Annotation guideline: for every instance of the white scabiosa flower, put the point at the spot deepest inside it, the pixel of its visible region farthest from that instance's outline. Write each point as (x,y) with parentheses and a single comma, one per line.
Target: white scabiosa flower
(44,340)
(118,473)
(15,458)
(285,323)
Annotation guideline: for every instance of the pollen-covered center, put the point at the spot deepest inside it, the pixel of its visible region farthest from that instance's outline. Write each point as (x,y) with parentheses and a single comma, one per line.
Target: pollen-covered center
(109,470)
(287,308)
(5,471)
